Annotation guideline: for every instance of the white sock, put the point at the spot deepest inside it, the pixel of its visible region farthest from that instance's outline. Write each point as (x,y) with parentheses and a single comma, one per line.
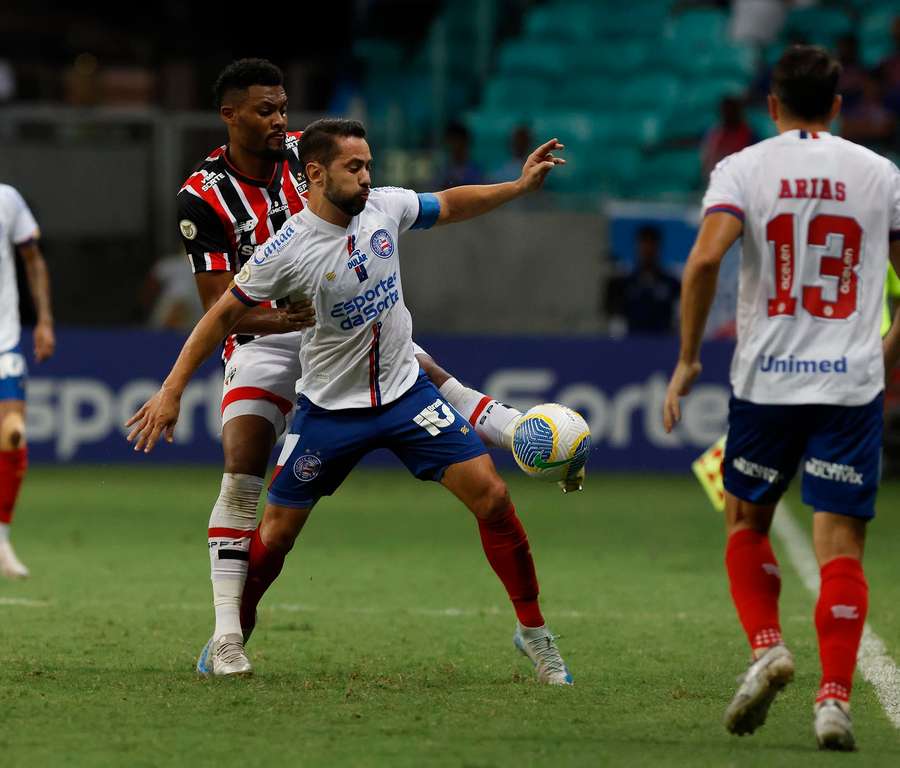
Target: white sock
(494,422)
(231,526)
(4,531)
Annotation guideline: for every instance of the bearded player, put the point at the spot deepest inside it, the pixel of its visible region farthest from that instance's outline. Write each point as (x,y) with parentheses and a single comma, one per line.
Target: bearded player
(237,199)
(362,386)
(819,217)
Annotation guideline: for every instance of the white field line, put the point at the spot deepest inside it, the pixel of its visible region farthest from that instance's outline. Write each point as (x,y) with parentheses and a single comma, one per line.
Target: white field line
(875,665)
(437,612)
(24,602)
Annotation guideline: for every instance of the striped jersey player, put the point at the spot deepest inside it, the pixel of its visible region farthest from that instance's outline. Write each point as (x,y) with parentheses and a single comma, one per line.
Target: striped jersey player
(819,218)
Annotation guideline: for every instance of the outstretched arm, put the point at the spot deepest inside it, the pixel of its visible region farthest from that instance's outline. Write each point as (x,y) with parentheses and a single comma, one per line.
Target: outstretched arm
(698,289)
(160,413)
(461,203)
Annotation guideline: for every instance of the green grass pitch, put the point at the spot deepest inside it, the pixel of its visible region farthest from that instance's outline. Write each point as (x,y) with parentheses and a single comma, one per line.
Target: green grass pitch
(387,640)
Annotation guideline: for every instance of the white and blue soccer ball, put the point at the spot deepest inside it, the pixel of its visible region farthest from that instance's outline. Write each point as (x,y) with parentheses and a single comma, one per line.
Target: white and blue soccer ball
(551,442)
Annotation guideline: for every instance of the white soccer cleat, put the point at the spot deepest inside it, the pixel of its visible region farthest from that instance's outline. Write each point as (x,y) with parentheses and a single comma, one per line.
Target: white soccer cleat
(759,686)
(574,483)
(10,565)
(834,729)
(539,645)
(224,657)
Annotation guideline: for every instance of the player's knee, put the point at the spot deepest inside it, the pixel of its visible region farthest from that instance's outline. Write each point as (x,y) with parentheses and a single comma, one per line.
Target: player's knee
(281,526)
(12,431)
(494,500)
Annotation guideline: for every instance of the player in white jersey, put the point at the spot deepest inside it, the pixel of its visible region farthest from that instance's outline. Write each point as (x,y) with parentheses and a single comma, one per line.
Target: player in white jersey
(819,217)
(18,230)
(239,196)
(362,387)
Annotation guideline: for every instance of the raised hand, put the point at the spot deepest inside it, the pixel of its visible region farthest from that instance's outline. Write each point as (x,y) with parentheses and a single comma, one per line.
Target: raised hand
(539,164)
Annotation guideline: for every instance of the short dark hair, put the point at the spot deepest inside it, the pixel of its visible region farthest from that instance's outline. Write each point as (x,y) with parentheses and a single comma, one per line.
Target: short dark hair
(319,141)
(805,81)
(241,74)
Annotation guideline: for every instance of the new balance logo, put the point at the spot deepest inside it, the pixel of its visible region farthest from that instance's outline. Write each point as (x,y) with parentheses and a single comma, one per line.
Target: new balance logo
(850,612)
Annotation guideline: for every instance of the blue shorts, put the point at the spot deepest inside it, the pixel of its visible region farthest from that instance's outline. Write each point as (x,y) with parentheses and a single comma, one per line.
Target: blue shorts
(426,433)
(839,447)
(13,373)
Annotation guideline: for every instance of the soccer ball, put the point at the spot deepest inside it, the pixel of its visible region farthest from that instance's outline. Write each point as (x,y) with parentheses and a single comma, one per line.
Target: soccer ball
(551,442)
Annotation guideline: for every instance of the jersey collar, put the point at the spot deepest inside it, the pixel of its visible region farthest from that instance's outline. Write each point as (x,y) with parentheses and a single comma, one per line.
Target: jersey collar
(326,226)
(800,133)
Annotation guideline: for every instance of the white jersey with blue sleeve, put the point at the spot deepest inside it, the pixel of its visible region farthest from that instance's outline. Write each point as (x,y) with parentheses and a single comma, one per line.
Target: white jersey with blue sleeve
(818,215)
(17,226)
(360,352)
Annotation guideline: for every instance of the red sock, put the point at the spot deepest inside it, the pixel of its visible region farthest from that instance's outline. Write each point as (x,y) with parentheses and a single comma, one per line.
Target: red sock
(264,566)
(840,616)
(506,546)
(755,585)
(12,470)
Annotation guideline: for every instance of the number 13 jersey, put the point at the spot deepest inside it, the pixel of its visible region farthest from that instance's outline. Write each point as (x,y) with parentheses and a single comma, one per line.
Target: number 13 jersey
(818,214)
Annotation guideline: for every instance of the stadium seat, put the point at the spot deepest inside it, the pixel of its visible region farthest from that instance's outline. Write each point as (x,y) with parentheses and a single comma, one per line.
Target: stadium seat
(699,29)
(613,59)
(670,173)
(521,95)
(573,23)
(817,24)
(491,133)
(584,91)
(651,91)
(708,92)
(533,57)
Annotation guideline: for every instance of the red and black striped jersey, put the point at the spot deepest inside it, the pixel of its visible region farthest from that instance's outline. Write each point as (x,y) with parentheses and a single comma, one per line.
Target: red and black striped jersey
(224,215)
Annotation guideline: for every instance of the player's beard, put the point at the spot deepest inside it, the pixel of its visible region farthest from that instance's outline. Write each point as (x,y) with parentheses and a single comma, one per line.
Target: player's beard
(352,205)
(272,155)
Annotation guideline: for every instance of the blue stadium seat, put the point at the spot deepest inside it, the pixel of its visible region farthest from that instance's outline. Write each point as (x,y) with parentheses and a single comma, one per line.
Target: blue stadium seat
(651,91)
(817,24)
(521,95)
(532,57)
(674,174)
(698,29)
(574,23)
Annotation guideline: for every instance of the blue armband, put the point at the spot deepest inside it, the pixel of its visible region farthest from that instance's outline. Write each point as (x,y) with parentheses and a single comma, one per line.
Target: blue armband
(429,210)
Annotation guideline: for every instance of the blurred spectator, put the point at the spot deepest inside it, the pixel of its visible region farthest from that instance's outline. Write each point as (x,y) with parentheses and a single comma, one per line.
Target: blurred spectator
(889,71)
(459,168)
(757,21)
(170,295)
(854,75)
(646,300)
(869,121)
(731,135)
(520,147)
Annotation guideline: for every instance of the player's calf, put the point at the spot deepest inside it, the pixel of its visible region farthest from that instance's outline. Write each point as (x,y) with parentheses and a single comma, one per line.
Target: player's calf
(231,526)
(13,464)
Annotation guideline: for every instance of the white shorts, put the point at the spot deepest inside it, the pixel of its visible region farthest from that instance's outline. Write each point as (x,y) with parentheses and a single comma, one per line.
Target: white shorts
(261,379)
